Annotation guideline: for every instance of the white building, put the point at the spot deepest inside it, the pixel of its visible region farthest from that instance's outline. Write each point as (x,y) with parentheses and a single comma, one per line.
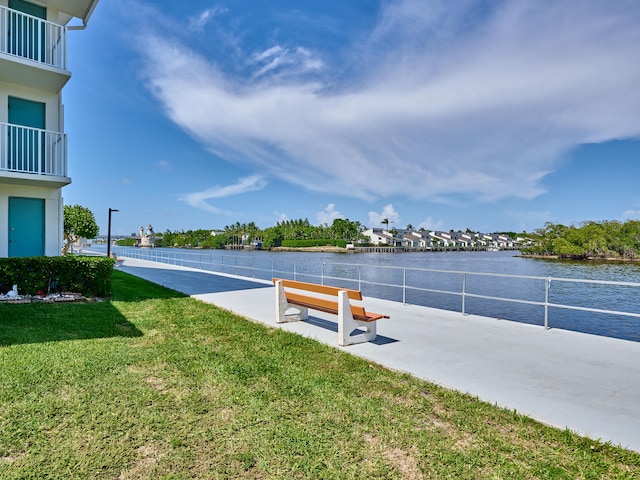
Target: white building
(33,145)
(415,240)
(441,239)
(377,236)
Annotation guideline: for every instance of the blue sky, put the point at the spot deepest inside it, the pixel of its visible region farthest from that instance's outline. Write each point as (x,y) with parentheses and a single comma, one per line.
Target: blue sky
(488,115)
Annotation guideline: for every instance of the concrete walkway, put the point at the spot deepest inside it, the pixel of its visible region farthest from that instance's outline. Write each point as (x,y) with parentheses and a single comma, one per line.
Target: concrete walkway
(586,383)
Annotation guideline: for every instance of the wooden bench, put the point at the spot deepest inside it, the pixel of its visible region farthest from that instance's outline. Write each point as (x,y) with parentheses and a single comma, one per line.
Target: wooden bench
(302,296)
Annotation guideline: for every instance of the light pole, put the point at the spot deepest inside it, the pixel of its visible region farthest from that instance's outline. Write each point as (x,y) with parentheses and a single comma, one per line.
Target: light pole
(109,232)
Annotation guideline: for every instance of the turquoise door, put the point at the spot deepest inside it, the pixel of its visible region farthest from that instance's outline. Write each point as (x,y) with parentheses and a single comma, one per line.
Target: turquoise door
(26,227)
(27,35)
(26,146)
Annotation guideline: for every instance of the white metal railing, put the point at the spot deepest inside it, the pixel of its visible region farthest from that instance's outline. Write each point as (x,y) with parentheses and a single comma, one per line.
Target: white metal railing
(32,38)
(378,281)
(32,150)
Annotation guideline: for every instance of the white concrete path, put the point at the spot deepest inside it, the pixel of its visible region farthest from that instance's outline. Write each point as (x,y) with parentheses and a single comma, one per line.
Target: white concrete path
(586,383)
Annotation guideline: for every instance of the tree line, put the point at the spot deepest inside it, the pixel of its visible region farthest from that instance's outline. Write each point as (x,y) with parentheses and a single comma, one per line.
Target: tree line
(286,231)
(587,240)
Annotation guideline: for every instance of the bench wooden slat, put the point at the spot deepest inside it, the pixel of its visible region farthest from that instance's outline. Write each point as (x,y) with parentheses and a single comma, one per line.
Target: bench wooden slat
(316,303)
(323,289)
(330,306)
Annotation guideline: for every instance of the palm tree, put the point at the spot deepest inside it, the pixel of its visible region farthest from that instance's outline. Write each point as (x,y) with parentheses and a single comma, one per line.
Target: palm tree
(385,221)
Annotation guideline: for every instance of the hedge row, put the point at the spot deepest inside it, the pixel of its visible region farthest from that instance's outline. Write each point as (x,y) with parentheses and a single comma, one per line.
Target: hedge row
(90,276)
(314,243)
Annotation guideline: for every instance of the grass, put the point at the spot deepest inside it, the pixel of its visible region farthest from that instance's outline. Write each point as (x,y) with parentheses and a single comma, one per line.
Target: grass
(153,384)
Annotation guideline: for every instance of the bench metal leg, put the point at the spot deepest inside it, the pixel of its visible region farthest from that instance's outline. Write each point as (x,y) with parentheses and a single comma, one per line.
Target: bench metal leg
(347,324)
(282,307)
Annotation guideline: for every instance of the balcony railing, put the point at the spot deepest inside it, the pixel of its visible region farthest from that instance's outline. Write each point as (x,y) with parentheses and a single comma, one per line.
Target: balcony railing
(32,150)
(32,38)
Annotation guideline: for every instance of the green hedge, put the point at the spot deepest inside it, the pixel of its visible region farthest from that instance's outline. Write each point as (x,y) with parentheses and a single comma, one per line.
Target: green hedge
(90,276)
(314,243)
(127,242)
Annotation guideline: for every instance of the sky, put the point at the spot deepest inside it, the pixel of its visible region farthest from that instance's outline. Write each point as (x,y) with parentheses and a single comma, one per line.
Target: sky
(487,115)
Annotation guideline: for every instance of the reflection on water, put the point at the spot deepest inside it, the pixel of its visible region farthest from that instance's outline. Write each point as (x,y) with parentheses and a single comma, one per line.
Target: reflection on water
(396,276)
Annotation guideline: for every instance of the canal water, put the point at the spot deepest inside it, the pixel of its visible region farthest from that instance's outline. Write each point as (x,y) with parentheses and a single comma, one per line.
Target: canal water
(437,279)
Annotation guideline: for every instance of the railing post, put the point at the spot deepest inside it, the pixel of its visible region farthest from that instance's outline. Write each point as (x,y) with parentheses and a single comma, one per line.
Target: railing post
(294,270)
(464,292)
(359,278)
(404,286)
(322,274)
(547,284)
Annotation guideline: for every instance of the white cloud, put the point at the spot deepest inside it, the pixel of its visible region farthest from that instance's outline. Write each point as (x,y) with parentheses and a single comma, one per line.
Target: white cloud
(281,217)
(282,61)
(198,22)
(328,215)
(528,220)
(430,224)
(199,199)
(631,215)
(442,108)
(163,165)
(388,212)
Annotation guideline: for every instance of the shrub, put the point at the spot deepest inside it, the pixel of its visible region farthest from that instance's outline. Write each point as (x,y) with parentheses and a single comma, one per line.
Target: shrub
(314,243)
(127,242)
(90,276)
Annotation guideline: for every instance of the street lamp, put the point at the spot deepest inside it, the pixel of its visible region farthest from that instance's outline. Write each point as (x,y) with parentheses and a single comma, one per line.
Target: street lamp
(109,232)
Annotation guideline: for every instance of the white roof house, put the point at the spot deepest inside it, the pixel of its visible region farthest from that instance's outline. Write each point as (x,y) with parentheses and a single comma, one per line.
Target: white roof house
(442,239)
(415,240)
(33,145)
(377,236)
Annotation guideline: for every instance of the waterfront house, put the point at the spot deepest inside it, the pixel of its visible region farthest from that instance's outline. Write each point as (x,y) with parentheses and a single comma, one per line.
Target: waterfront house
(487,240)
(441,239)
(415,240)
(461,240)
(503,241)
(33,145)
(378,236)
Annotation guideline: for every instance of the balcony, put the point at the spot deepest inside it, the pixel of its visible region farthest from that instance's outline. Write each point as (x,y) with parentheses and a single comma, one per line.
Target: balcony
(33,52)
(29,155)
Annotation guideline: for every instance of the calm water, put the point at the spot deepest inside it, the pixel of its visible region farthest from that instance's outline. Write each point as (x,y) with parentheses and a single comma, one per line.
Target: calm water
(382,275)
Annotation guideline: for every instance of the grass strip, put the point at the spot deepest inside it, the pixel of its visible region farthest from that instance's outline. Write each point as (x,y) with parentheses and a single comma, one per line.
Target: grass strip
(153,384)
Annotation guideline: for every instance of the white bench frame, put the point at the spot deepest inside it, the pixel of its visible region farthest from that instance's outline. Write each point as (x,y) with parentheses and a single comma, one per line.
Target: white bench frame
(326,299)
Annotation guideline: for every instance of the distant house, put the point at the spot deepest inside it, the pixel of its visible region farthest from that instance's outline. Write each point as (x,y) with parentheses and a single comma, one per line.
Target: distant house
(461,240)
(441,239)
(33,145)
(486,240)
(502,241)
(428,239)
(378,236)
(415,240)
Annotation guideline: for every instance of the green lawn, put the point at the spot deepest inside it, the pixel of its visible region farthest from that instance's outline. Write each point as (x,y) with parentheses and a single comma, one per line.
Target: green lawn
(155,385)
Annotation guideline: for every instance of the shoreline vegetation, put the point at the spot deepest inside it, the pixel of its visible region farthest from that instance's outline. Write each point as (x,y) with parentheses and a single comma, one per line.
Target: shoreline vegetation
(324,249)
(562,258)
(605,241)
(588,241)
(155,384)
